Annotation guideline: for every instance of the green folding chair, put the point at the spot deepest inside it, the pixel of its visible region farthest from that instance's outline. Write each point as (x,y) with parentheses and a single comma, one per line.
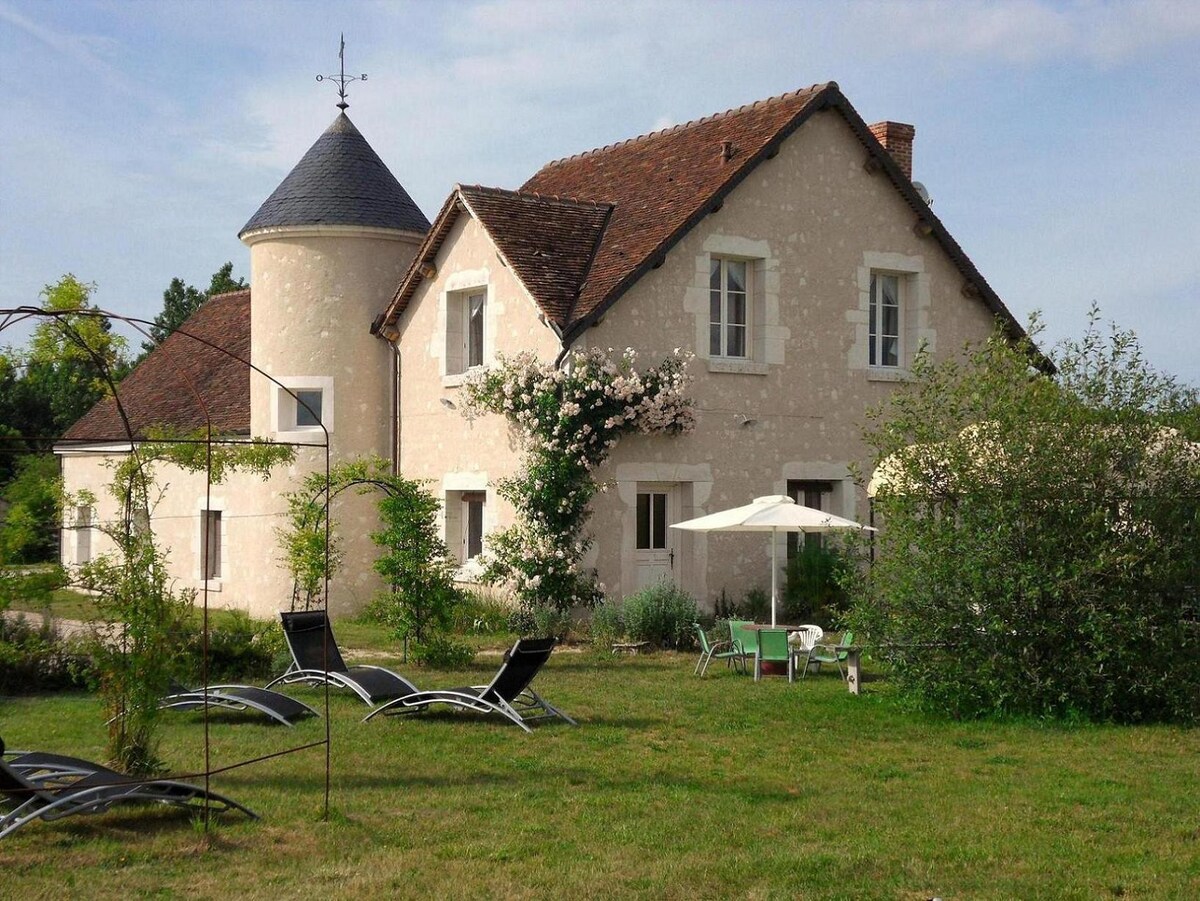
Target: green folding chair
(831,653)
(744,641)
(721,650)
(773,647)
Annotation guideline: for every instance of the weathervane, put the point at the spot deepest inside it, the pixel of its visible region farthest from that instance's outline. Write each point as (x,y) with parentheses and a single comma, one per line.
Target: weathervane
(342,78)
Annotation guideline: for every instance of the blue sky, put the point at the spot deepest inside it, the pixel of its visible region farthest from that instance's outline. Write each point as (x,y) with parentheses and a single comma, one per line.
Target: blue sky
(1058,140)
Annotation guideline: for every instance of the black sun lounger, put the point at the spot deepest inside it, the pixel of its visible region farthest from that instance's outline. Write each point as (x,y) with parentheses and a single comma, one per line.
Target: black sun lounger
(317,660)
(50,786)
(273,704)
(508,694)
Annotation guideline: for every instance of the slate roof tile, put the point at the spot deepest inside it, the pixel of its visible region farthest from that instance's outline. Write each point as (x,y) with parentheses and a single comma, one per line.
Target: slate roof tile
(340,181)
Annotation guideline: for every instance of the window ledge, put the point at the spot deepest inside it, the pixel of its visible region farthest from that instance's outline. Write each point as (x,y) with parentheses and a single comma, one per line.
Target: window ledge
(469,572)
(453,381)
(888,374)
(213,585)
(311,435)
(742,367)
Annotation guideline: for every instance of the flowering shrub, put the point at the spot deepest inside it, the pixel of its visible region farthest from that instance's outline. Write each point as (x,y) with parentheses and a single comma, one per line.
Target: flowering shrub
(568,420)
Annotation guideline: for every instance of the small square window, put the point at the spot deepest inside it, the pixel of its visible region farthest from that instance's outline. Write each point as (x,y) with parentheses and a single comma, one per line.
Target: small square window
(308,407)
(303,404)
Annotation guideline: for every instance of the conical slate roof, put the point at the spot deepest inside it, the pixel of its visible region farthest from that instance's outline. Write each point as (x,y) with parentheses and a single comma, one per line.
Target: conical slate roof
(340,181)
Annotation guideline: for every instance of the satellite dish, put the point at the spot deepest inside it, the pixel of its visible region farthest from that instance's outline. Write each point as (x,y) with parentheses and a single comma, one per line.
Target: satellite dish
(923,193)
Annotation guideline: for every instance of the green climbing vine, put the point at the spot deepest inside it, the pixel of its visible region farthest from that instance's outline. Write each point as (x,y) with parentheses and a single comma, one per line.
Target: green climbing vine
(568,420)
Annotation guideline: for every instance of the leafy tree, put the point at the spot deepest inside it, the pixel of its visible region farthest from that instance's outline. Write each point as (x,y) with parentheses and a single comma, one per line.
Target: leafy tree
(1039,536)
(71,361)
(422,598)
(142,636)
(29,531)
(181,300)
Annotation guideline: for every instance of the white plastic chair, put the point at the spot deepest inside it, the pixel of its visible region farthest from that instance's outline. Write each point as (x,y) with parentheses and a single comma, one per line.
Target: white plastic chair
(802,641)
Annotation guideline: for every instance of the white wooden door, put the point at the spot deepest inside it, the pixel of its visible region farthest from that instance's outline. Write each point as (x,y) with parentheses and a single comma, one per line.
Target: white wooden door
(654,543)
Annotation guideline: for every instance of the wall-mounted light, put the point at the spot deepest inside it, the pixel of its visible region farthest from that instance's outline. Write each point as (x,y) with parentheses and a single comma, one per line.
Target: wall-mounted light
(427,270)
(745,421)
(449,404)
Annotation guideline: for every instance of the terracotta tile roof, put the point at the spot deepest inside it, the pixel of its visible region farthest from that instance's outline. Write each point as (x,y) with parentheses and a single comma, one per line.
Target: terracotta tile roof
(548,242)
(660,185)
(182,377)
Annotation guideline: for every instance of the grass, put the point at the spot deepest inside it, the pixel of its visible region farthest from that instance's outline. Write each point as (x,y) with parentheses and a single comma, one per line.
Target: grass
(671,787)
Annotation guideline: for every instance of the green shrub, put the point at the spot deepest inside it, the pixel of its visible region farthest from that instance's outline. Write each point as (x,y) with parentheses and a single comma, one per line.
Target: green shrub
(542,621)
(480,614)
(442,651)
(239,647)
(662,615)
(812,590)
(36,659)
(1037,555)
(756,606)
(608,623)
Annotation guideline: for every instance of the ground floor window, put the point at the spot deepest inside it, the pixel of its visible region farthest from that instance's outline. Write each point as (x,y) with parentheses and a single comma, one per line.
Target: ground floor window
(210,544)
(464,523)
(83,534)
(819,496)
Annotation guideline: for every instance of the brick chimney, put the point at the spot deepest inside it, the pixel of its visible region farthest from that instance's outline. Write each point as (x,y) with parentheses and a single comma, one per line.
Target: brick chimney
(897,139)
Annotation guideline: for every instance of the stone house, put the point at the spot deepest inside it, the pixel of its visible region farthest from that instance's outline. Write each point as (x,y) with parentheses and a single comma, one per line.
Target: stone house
(783,243)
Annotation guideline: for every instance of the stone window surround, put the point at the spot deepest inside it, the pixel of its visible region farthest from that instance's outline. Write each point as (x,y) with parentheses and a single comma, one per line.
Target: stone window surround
(914,313)
(767,339)
(842,500)
(216,505)
(283,407)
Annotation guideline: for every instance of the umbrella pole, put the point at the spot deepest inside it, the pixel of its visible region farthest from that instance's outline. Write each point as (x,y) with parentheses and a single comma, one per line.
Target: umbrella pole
(774,573)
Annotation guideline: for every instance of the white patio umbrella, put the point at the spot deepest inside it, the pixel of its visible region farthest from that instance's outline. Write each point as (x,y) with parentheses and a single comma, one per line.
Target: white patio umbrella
(774,513)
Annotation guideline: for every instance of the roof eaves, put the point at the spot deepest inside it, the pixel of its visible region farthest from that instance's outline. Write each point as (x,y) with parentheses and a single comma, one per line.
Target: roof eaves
(429,248)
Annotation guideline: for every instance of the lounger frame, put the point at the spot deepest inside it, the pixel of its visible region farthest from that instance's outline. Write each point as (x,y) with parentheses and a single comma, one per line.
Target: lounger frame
(49,787)
(508,694)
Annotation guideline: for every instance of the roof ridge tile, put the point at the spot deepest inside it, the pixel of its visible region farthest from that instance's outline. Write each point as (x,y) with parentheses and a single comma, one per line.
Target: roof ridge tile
(680,126)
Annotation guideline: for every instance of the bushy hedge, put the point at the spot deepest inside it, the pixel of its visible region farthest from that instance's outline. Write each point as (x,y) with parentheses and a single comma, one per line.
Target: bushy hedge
(1040,537)
(239,648)
(662,615)
(35,658)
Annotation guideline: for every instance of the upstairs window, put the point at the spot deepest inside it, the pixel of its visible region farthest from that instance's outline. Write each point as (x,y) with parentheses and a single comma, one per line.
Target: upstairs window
(728,308)
(303,404)
(466,323)
(474,344)
(884,318)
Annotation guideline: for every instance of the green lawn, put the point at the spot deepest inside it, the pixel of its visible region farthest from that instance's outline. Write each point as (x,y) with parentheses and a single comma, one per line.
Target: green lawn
(671,787)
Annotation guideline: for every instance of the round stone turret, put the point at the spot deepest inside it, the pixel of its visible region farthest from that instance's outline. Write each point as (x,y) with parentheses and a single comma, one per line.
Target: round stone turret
(327,251)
